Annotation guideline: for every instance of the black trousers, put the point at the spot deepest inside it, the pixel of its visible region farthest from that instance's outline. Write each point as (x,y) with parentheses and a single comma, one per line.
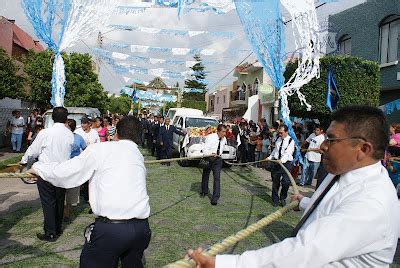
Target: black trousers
(52,199)
(243,153)
(279,177)
(111,242)
(159,151)
(215,166)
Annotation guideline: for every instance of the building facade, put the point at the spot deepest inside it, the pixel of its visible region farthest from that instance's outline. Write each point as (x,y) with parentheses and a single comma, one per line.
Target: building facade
(371,31)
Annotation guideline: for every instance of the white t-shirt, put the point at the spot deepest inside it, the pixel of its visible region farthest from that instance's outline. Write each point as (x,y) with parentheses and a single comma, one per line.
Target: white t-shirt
(315,142)
(18,122)
(89,137)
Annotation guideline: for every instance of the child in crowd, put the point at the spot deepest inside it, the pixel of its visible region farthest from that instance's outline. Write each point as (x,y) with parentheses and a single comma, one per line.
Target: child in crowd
(259,156)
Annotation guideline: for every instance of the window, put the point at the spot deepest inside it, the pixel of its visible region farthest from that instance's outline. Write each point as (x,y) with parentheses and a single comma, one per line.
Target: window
(345,45)
(389,31)
(200,122)
(217,100)
(224,98)
(255,87)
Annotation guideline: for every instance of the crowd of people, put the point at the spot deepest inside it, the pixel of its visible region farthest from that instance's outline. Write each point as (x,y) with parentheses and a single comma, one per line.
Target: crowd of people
(73,160)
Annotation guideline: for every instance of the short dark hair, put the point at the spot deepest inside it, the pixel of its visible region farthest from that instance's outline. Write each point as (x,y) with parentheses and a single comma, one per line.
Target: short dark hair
(367,122)
(220,127)
(130,128)
(72,124)
(108,119)
(285,127)
(60,115)
(318,126)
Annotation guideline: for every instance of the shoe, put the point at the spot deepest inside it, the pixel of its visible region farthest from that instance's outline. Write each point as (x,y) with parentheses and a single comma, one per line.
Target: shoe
(59,233)
(90,211)
(283,203)
(47,237)
(214,202)
(300,184)
(275,204)
(67,219)
(202,195)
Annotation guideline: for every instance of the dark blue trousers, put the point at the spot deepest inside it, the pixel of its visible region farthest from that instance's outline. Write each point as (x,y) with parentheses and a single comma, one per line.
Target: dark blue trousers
(215,166)
(111,242)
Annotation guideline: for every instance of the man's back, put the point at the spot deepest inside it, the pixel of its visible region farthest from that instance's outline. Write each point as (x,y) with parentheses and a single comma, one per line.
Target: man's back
(52,144)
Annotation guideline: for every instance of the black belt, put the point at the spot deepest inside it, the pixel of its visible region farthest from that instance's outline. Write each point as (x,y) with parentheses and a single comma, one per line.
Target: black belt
(107,220)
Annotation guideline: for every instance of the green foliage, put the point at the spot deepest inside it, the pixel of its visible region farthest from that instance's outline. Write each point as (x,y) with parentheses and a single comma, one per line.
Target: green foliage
(198,75)
(11,85)
(358,81)
(166,107)
(193,96)
(38,69)
(201,105)
(120,104)
(82,87)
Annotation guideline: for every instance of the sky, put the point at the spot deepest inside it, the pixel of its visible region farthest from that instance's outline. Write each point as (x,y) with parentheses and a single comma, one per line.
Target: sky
(167,18)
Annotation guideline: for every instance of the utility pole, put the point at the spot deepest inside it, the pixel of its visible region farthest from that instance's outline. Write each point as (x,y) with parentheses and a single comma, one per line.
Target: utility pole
(98,59)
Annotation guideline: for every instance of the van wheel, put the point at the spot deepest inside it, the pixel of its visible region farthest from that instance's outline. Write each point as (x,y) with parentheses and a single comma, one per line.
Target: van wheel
(183,163)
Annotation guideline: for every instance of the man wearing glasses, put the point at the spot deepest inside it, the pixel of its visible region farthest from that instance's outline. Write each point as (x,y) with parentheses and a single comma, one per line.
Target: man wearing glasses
(352,220)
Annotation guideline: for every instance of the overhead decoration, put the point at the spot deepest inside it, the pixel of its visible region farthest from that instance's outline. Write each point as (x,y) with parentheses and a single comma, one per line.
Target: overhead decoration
(61,23)
(169,50)
(183,33)
(391,107)
(332,91)
(128,57)
(150,95)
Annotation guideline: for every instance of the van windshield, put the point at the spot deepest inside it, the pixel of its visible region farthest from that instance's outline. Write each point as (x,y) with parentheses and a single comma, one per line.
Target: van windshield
(48,121)
(171,114)
(200,122)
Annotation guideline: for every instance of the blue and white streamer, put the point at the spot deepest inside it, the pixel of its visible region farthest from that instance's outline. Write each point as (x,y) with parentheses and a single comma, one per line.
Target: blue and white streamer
(183,33)
(74,19)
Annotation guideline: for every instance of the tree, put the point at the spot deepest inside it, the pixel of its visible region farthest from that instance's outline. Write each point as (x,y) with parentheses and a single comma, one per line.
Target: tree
(157,82)
(197,79)
(38,69)
(82,86)
(166,107)
(120,104)
(11,85)
(358,81)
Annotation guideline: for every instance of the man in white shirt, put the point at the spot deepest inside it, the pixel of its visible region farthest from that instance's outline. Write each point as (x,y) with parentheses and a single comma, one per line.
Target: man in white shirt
(214,145)
(312,157)
(88,134)
(352,219)
(17,124)
(118,196)
(52,145)
(283,151)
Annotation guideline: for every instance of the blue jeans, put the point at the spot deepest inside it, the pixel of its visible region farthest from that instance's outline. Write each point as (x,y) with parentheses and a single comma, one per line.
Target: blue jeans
(16,140)
(309,170)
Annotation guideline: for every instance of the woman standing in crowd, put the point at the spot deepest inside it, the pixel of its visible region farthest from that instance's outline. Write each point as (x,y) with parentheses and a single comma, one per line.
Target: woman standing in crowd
(394,143)
(108,124)
(101,130)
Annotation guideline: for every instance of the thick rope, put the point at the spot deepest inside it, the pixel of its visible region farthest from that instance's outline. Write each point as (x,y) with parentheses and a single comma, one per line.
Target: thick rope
(230,241)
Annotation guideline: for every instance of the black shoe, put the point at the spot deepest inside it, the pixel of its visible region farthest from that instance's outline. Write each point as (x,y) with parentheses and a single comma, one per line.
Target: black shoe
(214,202)
(47,237)
(283,203)
(67,219)
(90,211)
(202,195)
(275,204)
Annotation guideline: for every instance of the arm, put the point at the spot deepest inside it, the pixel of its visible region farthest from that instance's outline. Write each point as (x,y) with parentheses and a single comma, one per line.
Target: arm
(71,173)
(317,244)
(35,148)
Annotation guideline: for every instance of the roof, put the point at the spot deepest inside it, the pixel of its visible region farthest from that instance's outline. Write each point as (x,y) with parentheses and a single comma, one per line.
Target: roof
(24,40)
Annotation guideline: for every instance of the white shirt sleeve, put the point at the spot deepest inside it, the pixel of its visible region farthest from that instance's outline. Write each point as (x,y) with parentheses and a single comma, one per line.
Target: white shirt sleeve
(34,149)
(71,173)
(305,201)
(287,155)
(208,145)
(344,233)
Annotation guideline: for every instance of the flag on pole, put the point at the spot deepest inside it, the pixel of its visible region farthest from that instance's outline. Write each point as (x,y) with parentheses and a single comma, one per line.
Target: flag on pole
(133,96)
(332,92)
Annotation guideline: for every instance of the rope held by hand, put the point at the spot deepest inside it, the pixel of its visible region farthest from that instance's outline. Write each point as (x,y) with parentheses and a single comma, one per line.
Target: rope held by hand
(230,241)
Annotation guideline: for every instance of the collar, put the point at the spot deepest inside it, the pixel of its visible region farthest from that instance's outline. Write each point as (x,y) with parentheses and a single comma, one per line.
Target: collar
(361,174)
(128,142)
(59,125)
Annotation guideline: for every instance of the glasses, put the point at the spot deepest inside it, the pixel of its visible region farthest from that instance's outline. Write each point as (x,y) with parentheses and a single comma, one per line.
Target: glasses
(330,140)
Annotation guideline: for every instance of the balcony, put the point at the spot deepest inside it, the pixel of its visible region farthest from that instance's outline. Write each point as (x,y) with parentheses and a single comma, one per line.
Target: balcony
(238,98)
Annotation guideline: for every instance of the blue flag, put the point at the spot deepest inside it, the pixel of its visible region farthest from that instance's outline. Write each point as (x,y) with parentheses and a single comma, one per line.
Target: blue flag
(133,96)
(332,92)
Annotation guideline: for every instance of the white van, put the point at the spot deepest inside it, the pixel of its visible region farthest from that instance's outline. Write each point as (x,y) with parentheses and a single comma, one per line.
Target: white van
(73,113)
(174,112)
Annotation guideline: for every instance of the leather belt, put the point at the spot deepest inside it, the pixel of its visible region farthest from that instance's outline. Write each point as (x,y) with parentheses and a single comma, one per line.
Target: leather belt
(107,220)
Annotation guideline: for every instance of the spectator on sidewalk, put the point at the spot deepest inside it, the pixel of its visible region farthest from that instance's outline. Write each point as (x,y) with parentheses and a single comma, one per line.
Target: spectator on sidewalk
(17,130)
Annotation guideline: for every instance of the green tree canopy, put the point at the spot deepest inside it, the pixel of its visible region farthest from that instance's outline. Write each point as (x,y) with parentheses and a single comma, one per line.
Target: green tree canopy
(120,104)
(11,85)
(82,86)
(196,80)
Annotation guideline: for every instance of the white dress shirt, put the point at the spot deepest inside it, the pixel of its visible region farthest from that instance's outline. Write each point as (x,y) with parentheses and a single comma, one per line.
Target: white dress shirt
(18,125)
(355,225)
(116,174)
(211,144)
(51,145)
(315,143)
(287,150)
(89,137)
